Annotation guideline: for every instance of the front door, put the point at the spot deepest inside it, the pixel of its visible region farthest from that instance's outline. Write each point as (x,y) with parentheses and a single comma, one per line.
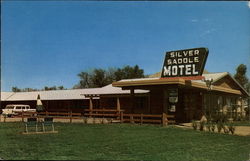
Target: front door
(189,106)
(192,105)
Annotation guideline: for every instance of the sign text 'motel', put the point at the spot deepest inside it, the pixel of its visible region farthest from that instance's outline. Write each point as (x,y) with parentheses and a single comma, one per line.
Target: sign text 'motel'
(183,63)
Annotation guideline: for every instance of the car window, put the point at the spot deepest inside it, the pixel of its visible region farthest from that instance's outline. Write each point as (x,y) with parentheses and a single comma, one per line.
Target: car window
(9,107)
(18,107)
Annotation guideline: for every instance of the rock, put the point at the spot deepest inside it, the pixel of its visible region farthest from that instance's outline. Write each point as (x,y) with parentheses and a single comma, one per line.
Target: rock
(97,121)
(90,120)
(105,121)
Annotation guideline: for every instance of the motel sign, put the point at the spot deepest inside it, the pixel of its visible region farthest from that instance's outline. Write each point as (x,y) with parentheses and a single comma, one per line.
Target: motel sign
(184,63)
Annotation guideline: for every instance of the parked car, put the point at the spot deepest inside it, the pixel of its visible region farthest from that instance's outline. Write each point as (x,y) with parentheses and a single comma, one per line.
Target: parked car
(13,109)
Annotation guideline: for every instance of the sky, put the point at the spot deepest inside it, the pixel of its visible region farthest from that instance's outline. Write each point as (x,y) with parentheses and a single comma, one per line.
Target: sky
(47,43)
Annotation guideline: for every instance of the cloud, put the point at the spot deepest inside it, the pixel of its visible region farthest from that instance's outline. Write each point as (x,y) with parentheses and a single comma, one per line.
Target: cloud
(206,20)
(207,32)
(248,4)
(194,20)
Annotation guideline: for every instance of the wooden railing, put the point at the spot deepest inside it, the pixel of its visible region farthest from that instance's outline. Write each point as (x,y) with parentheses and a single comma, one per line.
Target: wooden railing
(148,118)
(131,118)
(118,115)
(59,115)
(103,113)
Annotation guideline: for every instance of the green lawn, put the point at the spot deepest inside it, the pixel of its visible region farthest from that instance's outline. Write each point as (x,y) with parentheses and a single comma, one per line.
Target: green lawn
(120,142)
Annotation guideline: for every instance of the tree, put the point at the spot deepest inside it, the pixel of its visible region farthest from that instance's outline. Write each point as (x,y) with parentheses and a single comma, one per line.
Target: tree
(248,87)
(100,77)
(128,72)
(84,80)
(15,89)
(60,88)
(240,75)
(110,75)
(46,88)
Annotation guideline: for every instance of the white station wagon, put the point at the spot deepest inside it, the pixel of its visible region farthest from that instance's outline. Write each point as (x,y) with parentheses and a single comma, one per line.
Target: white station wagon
(14,109)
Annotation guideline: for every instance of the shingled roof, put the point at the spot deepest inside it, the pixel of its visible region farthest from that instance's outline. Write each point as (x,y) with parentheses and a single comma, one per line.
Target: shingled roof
(71,94)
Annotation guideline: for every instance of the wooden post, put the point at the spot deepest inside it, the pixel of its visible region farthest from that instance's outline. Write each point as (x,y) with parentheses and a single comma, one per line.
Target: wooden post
(22,117)
(70,117)
(242,107)
(90,106)
(46,113)
(164,119)
(131,119)
(118,106)
(132,99)
(149,107)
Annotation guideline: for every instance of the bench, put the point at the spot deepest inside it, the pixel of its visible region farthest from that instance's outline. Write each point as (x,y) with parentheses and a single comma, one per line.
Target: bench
(31,122)
(48,121)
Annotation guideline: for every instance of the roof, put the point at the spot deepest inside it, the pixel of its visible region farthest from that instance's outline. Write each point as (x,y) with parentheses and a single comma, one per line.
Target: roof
(79,94)
(110,90)
(72,94)
(46,95)
(6,95)
(181,81)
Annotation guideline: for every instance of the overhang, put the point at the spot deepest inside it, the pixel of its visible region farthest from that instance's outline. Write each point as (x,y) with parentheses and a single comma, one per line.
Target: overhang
(173,81)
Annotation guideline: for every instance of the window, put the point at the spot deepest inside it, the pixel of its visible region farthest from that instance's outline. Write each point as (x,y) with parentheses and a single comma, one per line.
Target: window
(10,107)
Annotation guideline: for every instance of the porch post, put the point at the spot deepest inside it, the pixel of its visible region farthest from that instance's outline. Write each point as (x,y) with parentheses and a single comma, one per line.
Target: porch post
(239,107)
(242,106)
(149,107)
(118,106)
(132,99)
(90,104)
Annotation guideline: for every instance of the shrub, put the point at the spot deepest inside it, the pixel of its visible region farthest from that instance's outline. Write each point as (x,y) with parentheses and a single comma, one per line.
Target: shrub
(220,126)
(208,125)
(225,129)
(231,128)
(212,127)
(202,126)
(194,124)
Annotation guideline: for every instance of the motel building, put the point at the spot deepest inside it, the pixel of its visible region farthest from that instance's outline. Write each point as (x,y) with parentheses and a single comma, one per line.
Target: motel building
(182,90)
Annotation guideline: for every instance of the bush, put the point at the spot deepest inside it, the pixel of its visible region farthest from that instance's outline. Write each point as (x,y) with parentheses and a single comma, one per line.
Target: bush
(202,126)
(208,125)
(194,125)
(212,127)
(220,126)
(231,128)
(225,129)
